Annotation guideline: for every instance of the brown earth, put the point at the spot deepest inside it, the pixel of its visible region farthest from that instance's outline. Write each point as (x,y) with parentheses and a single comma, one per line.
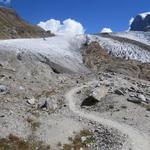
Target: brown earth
(13,26)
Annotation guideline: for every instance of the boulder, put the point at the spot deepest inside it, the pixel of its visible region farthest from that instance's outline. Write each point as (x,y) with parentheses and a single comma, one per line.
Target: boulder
(119,92)
(142,97)
(148,100)
(31,101)
(3,88)
(134,100)
(45,105)
(89,101)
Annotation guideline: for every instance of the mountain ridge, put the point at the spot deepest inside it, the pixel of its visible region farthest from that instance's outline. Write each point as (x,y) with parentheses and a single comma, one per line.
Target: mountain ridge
(13,26)
(141,22)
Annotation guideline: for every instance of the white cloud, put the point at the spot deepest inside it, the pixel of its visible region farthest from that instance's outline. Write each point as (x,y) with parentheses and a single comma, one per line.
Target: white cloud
(68,26)
(5,1)
(106,30)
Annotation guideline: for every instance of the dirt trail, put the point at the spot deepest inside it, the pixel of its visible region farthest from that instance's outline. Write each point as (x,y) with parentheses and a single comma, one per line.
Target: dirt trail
(138,140)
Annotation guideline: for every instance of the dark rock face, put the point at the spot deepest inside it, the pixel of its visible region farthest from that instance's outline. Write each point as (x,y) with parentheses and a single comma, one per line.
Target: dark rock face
(141,24)
(89,101)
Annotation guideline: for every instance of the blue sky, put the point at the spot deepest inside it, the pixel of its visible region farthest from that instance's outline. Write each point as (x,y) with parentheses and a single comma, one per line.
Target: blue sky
(93,14)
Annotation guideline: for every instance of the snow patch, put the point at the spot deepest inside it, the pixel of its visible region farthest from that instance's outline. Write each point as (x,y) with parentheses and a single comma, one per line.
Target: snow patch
(131,21)
(106,30)
(144,15)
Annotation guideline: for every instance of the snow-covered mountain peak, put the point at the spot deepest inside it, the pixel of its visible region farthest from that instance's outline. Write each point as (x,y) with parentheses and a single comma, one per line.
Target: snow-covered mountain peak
(141,22)
(144,15)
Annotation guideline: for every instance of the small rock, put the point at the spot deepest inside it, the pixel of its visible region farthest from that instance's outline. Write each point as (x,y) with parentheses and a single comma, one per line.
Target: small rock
(142,97)
(148,108)
(2,76)
(139,91)
(21,88)
(79,92)
(134,100)
(88,145)
(83,139)
(148,100)
(44,106)
(19,57)
(2,116)
(132,95)
(3,88)
(119,92)
(31,101)
(100,79)
(124,118)
(131,89)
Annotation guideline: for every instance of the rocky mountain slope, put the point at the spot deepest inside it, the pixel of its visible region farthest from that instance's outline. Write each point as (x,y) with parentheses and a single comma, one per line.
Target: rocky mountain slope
(39,111)
(141,22)
(13,26)
(78,92)
(118,53)
(98,59)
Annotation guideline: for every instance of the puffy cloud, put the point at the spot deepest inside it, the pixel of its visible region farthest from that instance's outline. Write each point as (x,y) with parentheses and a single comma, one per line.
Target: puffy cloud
(68,26)
(5,1)
(106,30)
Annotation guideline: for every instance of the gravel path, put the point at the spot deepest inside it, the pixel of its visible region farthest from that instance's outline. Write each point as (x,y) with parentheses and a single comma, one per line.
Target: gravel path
(138,140)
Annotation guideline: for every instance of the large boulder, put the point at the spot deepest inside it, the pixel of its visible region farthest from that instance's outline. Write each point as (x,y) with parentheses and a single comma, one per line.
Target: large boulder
(89,101)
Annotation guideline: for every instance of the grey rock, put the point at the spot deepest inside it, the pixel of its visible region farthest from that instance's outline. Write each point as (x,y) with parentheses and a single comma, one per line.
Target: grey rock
(134,100)
(142,97)
(148,100)
(45,105)
(3,88)
(31,101)
(89,101)
(83,139)
(119,92)
(132,95)
(79,92)
(131,89)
